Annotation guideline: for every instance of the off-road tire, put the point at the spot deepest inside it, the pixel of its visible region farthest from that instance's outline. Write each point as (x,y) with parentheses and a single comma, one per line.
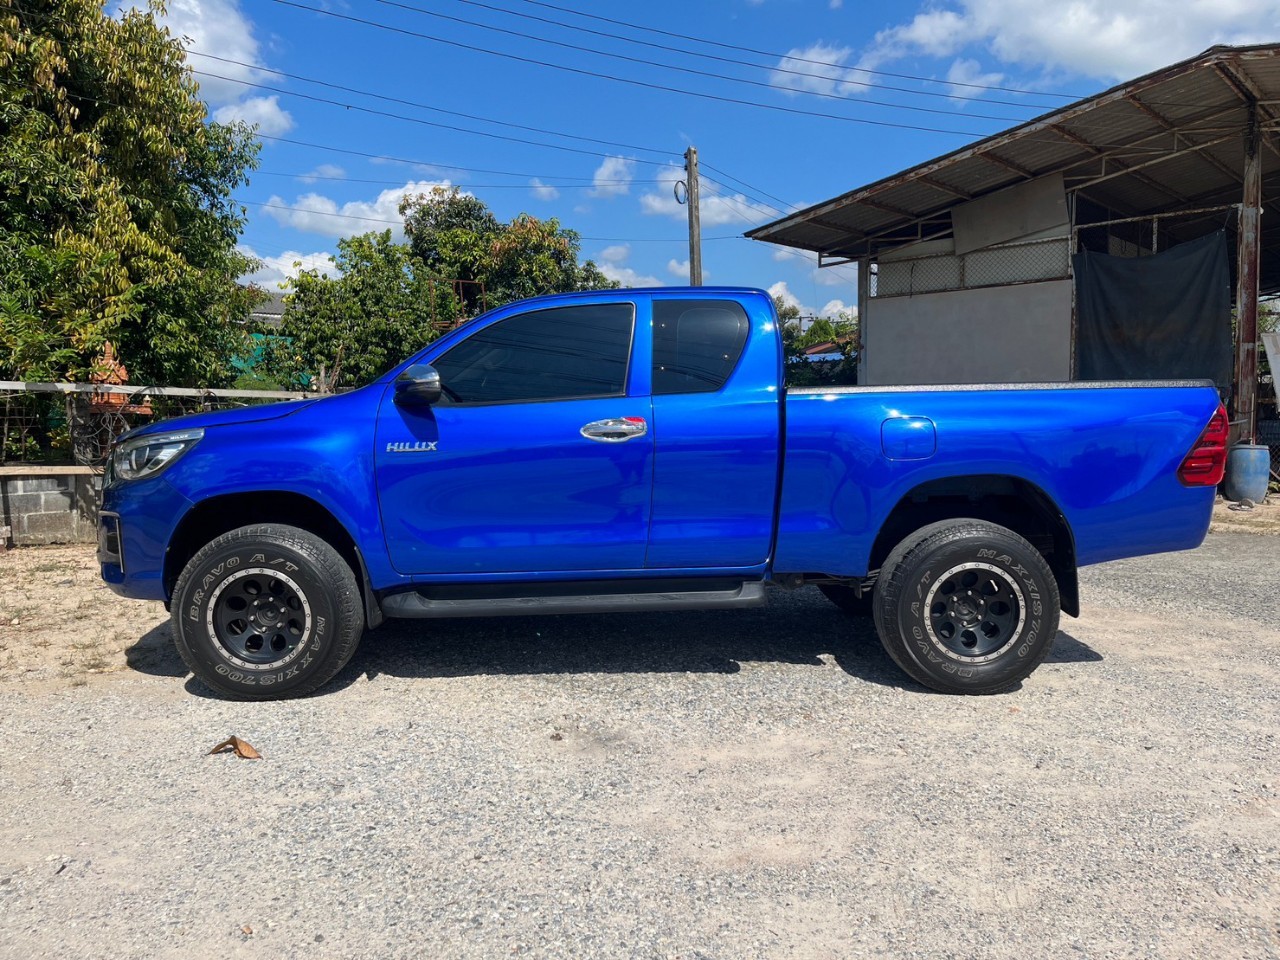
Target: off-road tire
(847,599)
(914,580)
(331,618)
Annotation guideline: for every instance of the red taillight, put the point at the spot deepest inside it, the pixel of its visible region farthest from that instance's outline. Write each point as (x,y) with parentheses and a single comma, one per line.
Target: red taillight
(1204,465)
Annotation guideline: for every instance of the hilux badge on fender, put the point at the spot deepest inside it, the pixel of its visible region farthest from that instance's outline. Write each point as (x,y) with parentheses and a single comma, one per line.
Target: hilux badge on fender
(423,446)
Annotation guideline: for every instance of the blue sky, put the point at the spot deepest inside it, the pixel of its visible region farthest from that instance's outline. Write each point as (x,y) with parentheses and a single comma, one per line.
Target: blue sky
(768,154)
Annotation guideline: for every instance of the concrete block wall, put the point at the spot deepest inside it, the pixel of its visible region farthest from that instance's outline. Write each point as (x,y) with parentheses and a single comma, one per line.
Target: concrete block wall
(41,509)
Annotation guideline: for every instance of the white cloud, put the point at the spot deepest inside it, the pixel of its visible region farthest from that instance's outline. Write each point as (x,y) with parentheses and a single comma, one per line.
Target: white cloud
(835,277)
(835,4)
(1108,39)
(265,113)
(325,171)
(275,270)
(221,28)
(680,269)
(613,177)
(218,27)
(315,213)
(544,191)
(841,275)
(613,264)
(717,209)
(797,73)
(964,74)
(628,277)
(831,308)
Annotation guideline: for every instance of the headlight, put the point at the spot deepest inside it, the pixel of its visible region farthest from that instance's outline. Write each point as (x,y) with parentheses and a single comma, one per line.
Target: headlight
(145,456)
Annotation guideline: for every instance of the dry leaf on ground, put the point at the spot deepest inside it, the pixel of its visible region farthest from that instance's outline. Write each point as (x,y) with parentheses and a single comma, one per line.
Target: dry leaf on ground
(240,748)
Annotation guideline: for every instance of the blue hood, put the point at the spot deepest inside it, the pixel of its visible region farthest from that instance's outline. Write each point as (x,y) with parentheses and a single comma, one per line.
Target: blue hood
(222,418)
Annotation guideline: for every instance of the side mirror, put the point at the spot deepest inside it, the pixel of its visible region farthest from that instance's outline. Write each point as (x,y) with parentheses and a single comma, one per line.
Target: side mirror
(418,386)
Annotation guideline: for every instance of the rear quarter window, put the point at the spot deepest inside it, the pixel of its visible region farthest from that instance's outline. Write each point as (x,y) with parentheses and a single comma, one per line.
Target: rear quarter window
(696,344)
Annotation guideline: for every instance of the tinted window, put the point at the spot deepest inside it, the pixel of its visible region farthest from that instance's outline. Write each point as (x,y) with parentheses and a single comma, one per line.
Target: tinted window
(553,354)
(696,344)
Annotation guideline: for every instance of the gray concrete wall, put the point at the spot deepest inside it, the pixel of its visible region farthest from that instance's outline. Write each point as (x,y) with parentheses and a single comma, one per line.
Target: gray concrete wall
(49,509)
(1013,334)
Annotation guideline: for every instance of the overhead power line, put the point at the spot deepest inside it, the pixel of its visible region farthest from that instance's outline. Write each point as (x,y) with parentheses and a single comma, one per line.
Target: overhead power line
(702,95)
(379,96)
(577,48)
(777,108)
(439,165)
(418,120)
(586,182)
(728,176)
(821,63)
(469,186)
(426,106)
(400,223)
(775,67)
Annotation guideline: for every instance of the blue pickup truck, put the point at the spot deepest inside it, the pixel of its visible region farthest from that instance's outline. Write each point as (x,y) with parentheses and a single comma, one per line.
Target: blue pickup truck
(638,450)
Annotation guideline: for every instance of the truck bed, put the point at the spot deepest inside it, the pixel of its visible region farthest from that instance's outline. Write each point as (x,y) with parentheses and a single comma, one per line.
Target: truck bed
(1106,454)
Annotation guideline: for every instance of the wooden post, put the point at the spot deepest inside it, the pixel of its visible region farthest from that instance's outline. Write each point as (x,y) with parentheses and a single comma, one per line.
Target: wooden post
(864,297)
(695,221)
(1248,244)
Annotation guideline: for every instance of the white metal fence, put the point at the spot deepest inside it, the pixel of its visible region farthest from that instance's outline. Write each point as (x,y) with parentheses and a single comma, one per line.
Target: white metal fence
(74,423)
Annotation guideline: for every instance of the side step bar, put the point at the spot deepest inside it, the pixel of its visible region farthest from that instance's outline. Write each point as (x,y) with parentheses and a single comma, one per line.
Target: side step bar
(417,606)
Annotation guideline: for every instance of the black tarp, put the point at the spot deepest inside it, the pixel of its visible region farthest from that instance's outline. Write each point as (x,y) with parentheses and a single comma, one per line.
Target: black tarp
(1165,316)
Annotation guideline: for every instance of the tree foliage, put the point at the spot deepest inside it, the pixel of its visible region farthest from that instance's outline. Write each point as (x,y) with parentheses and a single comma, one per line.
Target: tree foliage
(841,332)
(460,239)
(347,329)
(116,216)
(386,299)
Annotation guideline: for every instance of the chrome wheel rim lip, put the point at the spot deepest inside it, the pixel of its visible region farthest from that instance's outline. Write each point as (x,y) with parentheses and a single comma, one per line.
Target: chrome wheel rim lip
(226,652)
(941,645)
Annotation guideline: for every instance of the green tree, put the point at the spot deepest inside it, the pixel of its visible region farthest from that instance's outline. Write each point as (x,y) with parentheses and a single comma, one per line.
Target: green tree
(117,221)
(459,239)
(348,329)
(841,331)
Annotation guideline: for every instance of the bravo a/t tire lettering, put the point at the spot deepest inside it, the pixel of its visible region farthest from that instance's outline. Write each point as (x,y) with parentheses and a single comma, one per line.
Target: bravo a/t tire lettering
(300,580)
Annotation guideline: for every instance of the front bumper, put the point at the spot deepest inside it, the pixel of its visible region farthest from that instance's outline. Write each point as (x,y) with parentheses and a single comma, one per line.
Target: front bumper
(136,524)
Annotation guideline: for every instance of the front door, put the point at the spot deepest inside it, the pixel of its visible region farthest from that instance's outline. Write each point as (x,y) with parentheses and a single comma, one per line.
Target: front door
(535,460)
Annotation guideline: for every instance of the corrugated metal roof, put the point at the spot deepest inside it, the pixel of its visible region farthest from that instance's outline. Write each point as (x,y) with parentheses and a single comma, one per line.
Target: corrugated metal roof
(1148,123)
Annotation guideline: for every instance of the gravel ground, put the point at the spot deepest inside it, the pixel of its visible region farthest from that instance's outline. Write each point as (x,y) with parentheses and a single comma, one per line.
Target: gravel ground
(730,785)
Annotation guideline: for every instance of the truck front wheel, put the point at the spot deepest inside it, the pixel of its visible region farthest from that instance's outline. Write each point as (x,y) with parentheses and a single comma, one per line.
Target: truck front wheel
(966,606)
(266,612)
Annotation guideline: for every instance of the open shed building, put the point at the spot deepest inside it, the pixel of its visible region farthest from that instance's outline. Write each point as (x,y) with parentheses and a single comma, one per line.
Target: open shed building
(1112,238)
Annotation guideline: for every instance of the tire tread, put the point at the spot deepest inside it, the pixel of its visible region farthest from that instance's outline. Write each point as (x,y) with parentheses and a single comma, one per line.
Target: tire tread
(341,588)
(892,580)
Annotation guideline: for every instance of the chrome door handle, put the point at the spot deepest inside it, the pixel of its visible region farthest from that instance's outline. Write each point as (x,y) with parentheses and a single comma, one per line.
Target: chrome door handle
(615,430)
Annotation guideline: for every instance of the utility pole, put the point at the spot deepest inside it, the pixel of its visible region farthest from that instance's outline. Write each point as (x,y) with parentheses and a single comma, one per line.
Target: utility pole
(695,224)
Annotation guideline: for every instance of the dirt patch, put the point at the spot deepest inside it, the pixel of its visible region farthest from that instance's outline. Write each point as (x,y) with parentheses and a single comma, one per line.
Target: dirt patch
(58,620)
(1262,518)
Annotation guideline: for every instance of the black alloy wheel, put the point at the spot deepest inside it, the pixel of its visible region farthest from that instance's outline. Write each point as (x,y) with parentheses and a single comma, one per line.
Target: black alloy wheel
(260,616)
(975,611)
(966,606)
(266,612)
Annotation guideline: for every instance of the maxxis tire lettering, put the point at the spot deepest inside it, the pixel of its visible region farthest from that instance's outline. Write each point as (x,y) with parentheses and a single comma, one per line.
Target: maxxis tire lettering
(901,614)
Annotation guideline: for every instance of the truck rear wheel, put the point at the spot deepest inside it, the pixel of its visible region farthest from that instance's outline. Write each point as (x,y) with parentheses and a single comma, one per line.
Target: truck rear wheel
(266,612)
(966,606)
